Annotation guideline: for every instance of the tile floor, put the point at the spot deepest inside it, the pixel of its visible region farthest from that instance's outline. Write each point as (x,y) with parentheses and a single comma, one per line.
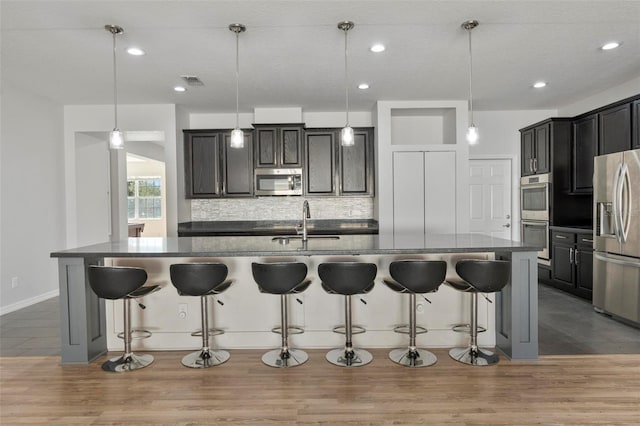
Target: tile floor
(567,325)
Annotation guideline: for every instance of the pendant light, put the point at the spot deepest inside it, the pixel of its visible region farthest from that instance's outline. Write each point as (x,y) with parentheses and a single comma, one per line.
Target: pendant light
(472,131)
(237,136)
(116,138)
(346,134)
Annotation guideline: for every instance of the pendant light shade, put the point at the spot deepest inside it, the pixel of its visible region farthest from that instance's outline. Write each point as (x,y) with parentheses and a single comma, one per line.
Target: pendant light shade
(237,135)
(472,131)
(346,134)
(116,138)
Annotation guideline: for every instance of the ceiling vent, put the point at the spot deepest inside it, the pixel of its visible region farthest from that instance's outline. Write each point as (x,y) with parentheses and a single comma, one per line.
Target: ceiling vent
(192,80)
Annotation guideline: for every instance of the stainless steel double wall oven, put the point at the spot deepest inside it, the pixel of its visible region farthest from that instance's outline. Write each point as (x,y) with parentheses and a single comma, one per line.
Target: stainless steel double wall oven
(535,203)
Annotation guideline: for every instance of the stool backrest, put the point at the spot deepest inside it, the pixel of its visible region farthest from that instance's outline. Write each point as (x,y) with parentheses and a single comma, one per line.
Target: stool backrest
(115,282)
(347,278)
(278,278)
(419,276)
(486,276)
(197,279)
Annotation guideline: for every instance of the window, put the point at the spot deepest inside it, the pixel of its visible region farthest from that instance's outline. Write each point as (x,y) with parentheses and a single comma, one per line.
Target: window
(144,197)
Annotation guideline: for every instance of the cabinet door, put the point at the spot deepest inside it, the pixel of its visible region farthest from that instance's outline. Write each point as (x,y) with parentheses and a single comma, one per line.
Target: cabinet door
(202,159)
(320,162)
(266,151)
(562,256)
(584,270)
(614,130)
(356,165)
(526,146)
(541,149)
(583,149)
(409,194)
(635,131)
(291,147)
(238,167)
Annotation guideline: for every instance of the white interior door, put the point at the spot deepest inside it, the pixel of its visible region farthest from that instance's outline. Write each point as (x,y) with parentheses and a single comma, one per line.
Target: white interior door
(490,197)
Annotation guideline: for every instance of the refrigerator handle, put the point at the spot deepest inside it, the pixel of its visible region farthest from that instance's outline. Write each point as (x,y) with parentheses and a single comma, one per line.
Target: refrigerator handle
(617,203)
(625,203)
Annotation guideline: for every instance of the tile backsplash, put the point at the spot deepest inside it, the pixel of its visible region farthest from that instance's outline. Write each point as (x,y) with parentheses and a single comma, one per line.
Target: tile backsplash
(281,208)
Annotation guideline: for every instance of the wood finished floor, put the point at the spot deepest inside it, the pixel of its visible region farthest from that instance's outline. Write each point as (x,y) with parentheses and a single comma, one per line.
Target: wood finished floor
(592,389)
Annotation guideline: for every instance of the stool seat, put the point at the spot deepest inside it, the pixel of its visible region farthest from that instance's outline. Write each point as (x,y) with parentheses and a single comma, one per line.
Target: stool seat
(126,283)
(202,280)
(478,276)
(348,279)
(282,278)
(415,277)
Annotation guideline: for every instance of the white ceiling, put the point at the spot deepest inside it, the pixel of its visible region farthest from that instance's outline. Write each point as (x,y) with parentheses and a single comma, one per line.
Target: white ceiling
(292,53)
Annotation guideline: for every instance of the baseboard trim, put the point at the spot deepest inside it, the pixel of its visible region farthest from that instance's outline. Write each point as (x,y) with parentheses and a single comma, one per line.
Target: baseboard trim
(28,302)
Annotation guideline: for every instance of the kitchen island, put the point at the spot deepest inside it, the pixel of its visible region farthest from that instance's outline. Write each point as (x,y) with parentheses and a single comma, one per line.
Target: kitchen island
(247,315)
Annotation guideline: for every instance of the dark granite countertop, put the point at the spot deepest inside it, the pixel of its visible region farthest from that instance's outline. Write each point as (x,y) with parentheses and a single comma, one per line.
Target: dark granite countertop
(276,227)
(242,246)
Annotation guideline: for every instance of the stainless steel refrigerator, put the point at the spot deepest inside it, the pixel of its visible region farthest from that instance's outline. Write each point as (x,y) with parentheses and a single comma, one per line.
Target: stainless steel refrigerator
(616,263)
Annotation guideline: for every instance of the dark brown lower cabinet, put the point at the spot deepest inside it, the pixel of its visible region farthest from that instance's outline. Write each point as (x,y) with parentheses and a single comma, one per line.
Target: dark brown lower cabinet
(572,262)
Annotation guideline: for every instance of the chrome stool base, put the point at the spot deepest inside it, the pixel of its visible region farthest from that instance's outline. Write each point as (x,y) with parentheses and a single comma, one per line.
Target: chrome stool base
(467,356)
(127,362)
(358,358)
(274,358)
(205,358)
(416,358)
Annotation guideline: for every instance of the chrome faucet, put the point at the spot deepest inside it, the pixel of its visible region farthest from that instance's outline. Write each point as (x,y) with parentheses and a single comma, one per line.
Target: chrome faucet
(306,214)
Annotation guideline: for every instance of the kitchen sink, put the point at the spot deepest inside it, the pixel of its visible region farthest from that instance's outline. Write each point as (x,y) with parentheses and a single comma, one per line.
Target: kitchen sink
(286,238)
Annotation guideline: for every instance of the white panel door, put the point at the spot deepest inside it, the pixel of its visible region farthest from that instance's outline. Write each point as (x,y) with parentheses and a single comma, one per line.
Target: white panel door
(440,192)
(408,193)
(490,197)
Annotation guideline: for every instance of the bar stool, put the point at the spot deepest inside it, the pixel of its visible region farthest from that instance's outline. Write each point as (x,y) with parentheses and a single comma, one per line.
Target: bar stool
(415,277)
(201,279)
(347,279)
(478,276)
(282,278)
(126,283)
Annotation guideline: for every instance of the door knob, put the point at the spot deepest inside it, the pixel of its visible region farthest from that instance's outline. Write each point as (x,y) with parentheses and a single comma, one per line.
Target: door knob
(506,225)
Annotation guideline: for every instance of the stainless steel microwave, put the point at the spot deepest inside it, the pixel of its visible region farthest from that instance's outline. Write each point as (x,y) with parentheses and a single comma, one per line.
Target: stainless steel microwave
(278,181)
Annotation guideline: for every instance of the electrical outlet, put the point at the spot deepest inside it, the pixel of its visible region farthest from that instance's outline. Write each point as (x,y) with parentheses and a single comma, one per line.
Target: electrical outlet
(420,308)
(14,282)
(182,310)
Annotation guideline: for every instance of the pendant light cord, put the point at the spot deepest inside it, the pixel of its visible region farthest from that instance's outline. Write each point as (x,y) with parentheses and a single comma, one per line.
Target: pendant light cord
(237,80)
(470,79)
(115,84)
(346,75)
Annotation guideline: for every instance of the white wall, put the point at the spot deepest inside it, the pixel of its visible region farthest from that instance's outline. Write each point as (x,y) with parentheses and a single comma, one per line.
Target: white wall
(32,223)
(613,94)
(98,118)
(500,138)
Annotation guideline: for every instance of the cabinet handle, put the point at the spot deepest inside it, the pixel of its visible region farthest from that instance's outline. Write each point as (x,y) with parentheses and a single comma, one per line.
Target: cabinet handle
(575,256)
(535,164)
(531,165)
(562,237)
(571,255)
(588,240)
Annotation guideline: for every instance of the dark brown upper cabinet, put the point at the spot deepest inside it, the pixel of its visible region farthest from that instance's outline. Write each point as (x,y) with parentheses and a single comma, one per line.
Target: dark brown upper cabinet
(635,131)
(356,165)
(535,150)
(320,147)
(202,164)
(238,167)
(614,127)
(212,169)
(278,145)
(584,148)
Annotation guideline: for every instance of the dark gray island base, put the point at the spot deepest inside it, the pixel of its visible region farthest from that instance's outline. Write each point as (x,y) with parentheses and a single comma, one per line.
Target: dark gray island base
(83,320)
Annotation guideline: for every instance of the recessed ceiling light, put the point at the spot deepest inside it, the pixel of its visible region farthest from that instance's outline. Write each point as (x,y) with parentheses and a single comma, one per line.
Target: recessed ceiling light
(539,84)
(610,45)
(363,86)
(377,48)
(135,51)
(179,89)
